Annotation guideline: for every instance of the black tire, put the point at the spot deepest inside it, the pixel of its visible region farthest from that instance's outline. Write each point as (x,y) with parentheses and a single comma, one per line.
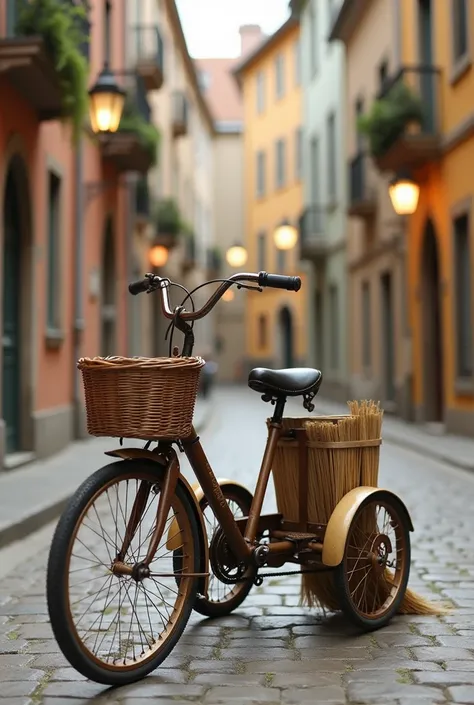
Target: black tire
(214,609)
(342,587)
(57,575)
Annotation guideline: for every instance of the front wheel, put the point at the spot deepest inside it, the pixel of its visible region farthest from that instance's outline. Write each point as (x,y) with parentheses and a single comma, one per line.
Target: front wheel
(115,629)
(372,578)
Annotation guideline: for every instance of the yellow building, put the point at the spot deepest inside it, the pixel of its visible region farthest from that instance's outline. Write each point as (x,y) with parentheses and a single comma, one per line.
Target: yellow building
(270,81)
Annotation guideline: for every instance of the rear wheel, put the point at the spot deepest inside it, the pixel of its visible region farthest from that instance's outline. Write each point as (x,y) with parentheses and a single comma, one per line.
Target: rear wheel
(223,598)
(115,629)
(372,578)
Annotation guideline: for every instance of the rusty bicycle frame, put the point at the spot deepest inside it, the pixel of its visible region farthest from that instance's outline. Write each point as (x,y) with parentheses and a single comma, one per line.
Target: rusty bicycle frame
(298,542)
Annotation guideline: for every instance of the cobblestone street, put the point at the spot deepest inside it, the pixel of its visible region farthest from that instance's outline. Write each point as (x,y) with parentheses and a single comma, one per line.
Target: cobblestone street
(271,650)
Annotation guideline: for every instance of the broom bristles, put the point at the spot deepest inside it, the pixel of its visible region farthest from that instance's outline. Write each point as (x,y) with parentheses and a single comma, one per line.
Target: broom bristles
(332,474)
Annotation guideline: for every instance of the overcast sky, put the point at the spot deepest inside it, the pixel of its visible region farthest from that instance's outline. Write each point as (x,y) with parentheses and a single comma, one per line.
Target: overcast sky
(212,26)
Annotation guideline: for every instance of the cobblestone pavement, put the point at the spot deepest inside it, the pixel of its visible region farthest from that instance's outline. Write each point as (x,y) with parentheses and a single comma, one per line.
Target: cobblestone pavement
(271,650)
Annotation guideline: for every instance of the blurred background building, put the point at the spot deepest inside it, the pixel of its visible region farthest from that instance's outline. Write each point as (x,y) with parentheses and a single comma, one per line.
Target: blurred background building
(337,148)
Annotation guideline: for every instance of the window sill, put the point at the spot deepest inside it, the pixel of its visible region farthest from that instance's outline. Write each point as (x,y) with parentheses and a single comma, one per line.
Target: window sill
(460,68)
(464,386)
(54,338)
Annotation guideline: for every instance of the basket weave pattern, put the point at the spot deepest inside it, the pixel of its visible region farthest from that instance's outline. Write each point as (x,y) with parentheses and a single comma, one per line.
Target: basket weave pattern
(139,397)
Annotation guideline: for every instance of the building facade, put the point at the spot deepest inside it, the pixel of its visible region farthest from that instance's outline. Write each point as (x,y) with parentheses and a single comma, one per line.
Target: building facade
(437,38)
(270,80)
(182,176)
(63,208)
(323,224)
(378,336)
(225,102)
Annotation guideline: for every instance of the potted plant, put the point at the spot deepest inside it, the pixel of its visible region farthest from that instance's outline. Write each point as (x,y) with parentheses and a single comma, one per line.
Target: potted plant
(146,133)
(61,27)
(168,219)
(390,117)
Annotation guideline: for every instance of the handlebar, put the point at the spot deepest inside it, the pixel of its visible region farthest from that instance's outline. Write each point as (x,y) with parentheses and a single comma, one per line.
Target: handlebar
(152,282)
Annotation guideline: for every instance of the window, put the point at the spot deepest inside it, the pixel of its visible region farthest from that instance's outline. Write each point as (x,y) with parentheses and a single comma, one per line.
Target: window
(298,153)
(460,28)
(280,162)
(260,92)
(463,283)
(331,9)
(297,61)
(53,272)
(383,74)
(334,316)
(281,261)
(359,111)
(315,195)
(366,314)
(261,164)
(332,176)
(261,247)
(262,331)
(279,76)
(313,38)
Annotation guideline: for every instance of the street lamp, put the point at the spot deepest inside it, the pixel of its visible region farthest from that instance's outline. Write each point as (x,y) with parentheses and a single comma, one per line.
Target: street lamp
(404,194)
(158,256)
(106,101)
(236,255)
(285,236)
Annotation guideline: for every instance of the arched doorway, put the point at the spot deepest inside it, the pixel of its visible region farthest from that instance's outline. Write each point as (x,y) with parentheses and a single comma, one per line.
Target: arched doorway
(16,314)
(286,337)
(108,298)
(432,328)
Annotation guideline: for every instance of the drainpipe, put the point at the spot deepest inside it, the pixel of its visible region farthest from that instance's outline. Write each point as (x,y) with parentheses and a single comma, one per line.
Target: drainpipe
(78,287)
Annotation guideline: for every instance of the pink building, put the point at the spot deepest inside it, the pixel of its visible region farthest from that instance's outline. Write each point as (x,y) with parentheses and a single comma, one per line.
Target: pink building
(64,217)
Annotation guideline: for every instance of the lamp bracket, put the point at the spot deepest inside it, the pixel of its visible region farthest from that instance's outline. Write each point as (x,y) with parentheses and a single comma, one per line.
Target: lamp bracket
(93,189)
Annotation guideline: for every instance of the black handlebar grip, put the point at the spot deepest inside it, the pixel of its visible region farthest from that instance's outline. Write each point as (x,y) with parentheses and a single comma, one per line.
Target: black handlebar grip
(279,281)
(139,287)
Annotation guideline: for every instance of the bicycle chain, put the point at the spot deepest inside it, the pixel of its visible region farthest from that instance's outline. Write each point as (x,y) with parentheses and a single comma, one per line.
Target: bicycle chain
(258,580)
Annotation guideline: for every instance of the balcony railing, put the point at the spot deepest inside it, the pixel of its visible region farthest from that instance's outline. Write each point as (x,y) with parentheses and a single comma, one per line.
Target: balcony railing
(180,114)
(150,55)
(313,239)
(13,12)
(420,143)
(362,199)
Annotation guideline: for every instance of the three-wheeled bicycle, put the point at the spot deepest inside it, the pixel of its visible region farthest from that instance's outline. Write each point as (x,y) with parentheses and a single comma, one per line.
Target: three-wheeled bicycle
(135,551)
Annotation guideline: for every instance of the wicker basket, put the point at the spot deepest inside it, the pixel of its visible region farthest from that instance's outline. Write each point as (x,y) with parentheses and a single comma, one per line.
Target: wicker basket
(145,398)
(311,476)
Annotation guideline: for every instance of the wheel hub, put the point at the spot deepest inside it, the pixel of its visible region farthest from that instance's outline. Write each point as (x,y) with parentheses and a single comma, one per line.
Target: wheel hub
(379,552)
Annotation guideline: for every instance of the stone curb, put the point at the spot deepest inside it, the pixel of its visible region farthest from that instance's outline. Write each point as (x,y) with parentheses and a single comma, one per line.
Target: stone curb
(425,450)
(40,516)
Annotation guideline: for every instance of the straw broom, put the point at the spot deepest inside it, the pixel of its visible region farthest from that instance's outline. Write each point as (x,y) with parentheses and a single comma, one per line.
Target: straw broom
(332,473)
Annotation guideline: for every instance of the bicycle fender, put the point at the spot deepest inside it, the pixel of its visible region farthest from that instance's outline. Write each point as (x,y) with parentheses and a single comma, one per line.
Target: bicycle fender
(173,536)
(172,541)
(341,518)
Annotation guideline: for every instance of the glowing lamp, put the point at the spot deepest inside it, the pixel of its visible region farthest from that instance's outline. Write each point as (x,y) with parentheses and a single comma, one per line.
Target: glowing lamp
(106,101)
(285,236)
(404,194)
(158,256)
(236,256)
(228,295)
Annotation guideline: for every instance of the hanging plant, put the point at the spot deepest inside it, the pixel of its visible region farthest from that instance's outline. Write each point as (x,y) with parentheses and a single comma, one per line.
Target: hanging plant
(389,117)
(61,27)
(147,134)
(168,219)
